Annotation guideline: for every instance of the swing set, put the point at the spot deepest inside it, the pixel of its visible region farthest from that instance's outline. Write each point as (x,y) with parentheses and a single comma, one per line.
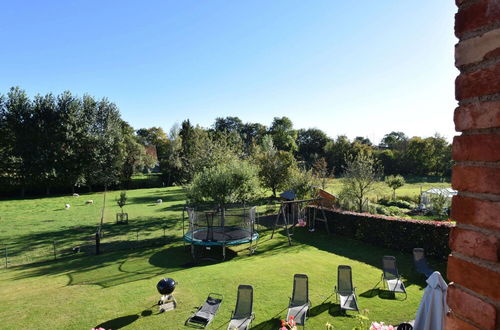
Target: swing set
(304,212)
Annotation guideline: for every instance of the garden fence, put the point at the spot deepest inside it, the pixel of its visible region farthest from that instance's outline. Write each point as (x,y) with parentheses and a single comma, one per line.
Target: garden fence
(15,254)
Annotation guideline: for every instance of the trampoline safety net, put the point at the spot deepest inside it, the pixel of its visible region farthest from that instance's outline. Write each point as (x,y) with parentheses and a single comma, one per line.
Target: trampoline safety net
(221,227)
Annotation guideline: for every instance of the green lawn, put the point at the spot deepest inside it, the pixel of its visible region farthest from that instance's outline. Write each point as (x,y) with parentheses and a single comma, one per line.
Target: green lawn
(411,188)
(117,288)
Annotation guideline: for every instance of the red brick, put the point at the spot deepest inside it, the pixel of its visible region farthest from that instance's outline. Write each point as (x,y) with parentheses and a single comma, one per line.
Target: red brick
(478,83)
(479,279)
(477,147)
(477,212)
(453,323)
(471,307)
(480,14)
(477,115)
(476,179)
(475,244)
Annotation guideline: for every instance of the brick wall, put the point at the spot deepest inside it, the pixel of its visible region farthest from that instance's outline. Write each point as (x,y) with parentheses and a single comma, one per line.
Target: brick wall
(473,265)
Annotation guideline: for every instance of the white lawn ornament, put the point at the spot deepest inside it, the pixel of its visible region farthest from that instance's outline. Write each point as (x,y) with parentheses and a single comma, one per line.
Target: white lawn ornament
(67,206)
(159,201)
(90,201)
(76,195)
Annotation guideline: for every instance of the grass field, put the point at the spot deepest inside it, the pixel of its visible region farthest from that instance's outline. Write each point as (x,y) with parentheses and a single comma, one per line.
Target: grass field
(411,188)
(117,289)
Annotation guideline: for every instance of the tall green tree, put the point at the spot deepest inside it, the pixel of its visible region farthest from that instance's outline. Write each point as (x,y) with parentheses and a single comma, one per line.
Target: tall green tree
(311,145)
(283,134)
(336,153)
(19,123)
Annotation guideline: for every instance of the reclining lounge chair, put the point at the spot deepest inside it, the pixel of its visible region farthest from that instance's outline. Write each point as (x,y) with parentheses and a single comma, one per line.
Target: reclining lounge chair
(421,263)
(206,313)
(243,313)
(299,303)
(390,276)
(345,290)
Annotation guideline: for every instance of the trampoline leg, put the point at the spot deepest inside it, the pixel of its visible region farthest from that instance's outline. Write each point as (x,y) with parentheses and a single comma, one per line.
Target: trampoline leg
(192,252)
(223,252)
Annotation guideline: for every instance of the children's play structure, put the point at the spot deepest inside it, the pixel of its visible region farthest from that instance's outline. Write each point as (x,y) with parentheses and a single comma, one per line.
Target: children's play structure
(220,228)
(303,212)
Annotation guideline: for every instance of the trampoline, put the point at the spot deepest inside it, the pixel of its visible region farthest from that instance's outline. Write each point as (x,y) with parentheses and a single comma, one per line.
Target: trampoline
(222,227)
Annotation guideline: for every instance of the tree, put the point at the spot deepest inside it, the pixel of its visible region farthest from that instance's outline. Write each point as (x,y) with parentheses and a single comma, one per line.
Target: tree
(283,134)
(122,200)
(394,182)
(336,153)
(361,174)
(302,182)
(275,169)
(363,140)
(18,122)
(320,171)
(135,156)
(231,182)
(311,145)
(395,141)
(171,162)
(228,125)
(154,136)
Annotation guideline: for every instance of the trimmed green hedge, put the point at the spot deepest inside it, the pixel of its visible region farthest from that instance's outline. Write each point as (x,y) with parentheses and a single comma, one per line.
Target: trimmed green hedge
(393,233)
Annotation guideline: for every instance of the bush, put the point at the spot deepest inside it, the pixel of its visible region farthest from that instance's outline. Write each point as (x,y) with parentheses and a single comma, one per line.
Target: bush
(412,199)
(389,210)
(233,182)
(393,233)
(397,203)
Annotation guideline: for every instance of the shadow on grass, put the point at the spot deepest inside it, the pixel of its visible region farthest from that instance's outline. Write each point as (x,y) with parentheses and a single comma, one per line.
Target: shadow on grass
(119,322)
(363,252)
(114,268)
(176,195)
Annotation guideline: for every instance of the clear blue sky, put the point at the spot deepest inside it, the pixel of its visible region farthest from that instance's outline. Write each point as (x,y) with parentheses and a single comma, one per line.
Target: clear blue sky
(347,67)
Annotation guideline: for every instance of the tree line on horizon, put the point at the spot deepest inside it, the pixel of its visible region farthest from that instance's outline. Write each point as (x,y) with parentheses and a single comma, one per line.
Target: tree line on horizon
(66,142)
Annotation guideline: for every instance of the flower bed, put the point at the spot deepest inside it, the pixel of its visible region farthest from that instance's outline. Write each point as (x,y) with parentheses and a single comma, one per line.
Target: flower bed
(393,233)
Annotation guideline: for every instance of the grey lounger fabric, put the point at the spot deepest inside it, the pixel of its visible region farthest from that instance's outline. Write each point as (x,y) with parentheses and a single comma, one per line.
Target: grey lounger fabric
(421,263)
(299,303)
(206,313)
(243,313)
(391,276)
(345,290)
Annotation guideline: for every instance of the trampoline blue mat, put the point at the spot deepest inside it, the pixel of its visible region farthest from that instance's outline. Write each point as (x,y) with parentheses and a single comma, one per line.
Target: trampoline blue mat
(220,236)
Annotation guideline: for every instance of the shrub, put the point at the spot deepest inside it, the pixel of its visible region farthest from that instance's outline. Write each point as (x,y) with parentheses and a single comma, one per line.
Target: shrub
(439,204)
(389,210)
(393,233)
(398,203)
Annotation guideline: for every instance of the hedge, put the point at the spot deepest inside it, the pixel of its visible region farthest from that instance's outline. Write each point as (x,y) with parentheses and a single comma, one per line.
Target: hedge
(393,233)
